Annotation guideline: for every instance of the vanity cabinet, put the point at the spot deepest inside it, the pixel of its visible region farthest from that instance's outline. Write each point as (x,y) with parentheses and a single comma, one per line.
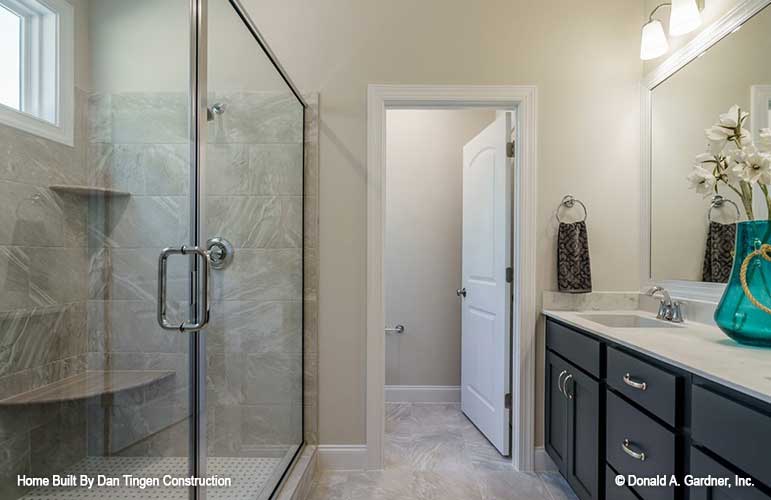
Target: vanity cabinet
(613,411)
(573,423)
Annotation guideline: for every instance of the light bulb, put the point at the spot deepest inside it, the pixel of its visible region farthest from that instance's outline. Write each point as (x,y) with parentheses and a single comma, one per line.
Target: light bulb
(654,41)
(684,17)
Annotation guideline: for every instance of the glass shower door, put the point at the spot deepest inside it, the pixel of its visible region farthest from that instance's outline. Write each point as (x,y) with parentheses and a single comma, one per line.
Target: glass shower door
(252,213)
(89,383)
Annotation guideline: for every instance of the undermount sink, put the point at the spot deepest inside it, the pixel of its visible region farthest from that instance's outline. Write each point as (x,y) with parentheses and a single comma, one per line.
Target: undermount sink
(627,321)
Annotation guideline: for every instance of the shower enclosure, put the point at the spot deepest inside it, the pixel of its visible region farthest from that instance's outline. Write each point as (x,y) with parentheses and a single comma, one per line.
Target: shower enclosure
(152,270)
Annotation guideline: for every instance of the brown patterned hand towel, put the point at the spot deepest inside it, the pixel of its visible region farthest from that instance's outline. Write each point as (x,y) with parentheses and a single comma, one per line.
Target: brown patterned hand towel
(574,270)
(719,254)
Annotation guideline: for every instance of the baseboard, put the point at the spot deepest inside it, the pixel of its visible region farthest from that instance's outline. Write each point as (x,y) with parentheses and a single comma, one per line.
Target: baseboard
(543,462)
(342,457)
(422,394)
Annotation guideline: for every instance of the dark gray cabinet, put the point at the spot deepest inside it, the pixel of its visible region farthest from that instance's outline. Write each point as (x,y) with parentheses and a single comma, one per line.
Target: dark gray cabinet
(611,410)
(573,425)
(583,419)
(556,404)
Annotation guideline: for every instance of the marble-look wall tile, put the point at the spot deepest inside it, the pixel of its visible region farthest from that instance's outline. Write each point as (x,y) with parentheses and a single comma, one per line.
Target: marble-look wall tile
(257,118)
(132,274)
(99,118)
(35,216)
(14,279)
(14,460)
(260,275)
(29,159)
(239,428)
(149,118)
(256,221)
(258,169)
(255,327)
(139,221)
(57,275)
(273,378)
(132,327)
(60,443)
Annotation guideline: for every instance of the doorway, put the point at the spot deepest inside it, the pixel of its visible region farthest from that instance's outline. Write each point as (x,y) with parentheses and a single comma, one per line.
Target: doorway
(450,343)
(522,102)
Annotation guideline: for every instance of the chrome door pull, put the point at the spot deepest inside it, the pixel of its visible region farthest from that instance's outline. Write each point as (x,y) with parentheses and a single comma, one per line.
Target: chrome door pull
(460,292)
(162,272)
(565,386)
(559,382)
(634,384)
(637,455)
(396,329)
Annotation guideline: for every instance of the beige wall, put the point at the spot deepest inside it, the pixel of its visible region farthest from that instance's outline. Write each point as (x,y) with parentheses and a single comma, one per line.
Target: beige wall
(683,106)
(582,56)
(424,155)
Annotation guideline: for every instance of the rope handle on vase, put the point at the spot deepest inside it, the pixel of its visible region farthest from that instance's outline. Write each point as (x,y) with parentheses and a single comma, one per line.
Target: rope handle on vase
(765,252)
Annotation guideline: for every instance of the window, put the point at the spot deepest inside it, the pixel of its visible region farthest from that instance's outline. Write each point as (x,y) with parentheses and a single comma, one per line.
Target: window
(36,67)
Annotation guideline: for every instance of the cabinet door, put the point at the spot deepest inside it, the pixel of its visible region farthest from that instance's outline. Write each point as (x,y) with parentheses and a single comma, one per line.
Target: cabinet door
(583,459)
(556,441)
(703,466)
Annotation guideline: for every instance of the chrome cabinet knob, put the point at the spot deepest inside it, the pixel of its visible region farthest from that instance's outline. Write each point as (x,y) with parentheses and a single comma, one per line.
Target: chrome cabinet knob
(460,292)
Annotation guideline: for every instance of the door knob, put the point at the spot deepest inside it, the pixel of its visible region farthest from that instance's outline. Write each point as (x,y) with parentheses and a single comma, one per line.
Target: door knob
(396,329)
(460,292)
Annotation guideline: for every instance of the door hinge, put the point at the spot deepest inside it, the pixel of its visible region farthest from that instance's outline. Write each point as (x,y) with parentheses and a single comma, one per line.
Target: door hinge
(510,148)
(509,275)
(507,401)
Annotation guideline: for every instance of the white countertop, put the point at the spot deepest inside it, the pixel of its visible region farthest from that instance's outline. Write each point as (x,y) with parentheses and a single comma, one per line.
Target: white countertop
(698,348)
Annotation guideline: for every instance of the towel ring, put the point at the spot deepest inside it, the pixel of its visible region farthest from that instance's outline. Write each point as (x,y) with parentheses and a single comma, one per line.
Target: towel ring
(569,201)
(718,202)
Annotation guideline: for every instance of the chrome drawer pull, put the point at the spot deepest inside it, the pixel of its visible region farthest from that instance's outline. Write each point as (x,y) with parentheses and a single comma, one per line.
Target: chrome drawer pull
(631,383)
(559,382)
(637,455)
(565,386)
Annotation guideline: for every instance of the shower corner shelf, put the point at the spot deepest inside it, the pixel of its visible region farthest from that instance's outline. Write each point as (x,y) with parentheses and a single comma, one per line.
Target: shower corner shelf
(88,191)
(88,384)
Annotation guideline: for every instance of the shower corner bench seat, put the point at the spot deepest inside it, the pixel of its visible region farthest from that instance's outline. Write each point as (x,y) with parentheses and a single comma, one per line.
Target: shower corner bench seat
(90,384)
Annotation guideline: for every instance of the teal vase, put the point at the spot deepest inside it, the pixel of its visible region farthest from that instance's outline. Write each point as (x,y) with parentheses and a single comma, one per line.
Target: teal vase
(736,315)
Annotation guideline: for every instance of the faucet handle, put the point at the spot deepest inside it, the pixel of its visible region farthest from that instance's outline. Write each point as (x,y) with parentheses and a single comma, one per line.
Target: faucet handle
(677,313)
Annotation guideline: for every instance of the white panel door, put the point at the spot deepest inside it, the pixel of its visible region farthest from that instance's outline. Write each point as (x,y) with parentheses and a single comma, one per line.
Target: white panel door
(486,309)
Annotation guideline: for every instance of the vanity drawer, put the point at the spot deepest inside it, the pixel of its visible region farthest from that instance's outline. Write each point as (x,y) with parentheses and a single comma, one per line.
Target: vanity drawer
(649,386)
(644,435)
(577,348)
(613,492)
(739,434)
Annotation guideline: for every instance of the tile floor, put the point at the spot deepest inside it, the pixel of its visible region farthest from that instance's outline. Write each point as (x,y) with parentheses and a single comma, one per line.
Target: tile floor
(433,452)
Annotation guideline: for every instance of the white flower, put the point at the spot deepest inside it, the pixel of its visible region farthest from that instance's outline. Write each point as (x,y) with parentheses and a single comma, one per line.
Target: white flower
(733,118)
(702,181)
(717,136)
(756,167)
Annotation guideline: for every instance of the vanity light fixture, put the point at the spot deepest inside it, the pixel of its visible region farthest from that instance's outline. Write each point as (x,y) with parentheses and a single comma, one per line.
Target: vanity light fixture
(684,17)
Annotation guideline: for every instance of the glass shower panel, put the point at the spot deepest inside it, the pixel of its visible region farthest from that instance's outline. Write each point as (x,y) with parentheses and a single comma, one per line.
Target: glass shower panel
(89,384)
(253,185)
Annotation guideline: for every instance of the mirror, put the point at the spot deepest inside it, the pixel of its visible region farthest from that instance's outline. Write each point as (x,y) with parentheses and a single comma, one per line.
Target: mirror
(691,231)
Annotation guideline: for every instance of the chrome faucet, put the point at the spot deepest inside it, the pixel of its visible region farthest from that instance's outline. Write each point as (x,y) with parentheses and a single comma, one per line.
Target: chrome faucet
(668,309)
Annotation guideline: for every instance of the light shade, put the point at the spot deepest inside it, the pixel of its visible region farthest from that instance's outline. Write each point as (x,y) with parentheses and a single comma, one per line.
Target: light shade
(684,18)
(654,41)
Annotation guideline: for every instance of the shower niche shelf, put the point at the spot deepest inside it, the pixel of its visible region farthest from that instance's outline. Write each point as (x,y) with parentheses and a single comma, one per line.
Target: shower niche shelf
(88,191)
(88,384)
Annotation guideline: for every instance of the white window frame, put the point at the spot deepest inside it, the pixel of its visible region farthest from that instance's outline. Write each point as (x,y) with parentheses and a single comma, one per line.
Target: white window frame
(47,70)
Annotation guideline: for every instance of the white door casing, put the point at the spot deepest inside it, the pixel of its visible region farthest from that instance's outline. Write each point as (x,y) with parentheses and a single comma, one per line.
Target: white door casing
(486,309)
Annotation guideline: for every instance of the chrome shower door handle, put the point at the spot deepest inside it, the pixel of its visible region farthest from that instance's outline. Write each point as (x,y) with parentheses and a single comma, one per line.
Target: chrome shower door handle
(162,286)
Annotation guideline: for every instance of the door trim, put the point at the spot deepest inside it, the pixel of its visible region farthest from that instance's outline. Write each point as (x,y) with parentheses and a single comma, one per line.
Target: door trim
(523,98)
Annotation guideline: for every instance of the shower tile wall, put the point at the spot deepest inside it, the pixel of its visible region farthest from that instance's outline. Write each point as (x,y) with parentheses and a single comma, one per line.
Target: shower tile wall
(43,262)
(254,344)
(138,143)
(311,271)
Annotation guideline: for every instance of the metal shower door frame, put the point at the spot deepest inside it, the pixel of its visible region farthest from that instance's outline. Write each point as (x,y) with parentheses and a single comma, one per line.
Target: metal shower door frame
(198,141)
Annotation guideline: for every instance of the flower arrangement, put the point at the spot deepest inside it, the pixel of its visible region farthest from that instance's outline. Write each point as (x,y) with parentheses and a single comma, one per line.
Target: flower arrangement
(734,161)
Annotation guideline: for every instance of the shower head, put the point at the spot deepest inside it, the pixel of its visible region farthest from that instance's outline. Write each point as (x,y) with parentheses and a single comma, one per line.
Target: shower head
(215,109)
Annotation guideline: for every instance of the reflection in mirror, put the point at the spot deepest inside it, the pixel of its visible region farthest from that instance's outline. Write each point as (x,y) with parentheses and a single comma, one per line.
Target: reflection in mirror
(714,108)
